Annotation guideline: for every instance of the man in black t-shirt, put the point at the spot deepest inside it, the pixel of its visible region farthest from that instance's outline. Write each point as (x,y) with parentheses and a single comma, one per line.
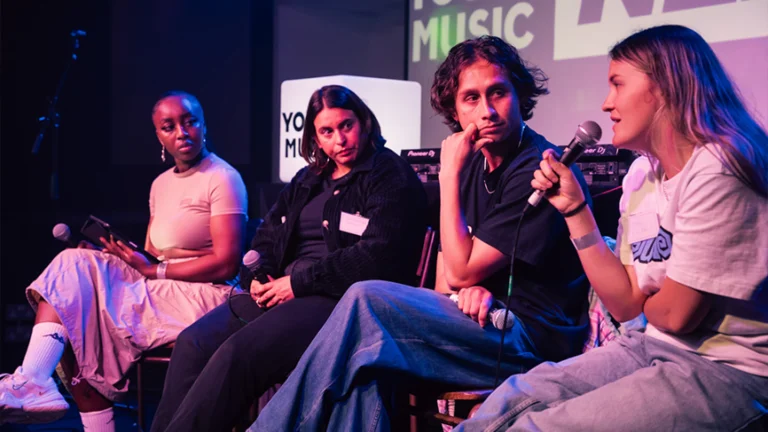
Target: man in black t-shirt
(383,335)
(550,289)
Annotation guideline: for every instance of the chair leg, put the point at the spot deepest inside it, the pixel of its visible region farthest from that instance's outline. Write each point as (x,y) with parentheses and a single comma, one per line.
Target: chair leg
(253,411)
(247,420)
(413,419)
(140,395)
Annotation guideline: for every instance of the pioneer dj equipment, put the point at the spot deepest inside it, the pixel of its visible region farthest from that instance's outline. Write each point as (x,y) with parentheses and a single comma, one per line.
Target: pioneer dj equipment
(604,166)
(426,163)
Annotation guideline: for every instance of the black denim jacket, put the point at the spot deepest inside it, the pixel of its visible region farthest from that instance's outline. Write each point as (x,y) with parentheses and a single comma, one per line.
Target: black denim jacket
(385,190)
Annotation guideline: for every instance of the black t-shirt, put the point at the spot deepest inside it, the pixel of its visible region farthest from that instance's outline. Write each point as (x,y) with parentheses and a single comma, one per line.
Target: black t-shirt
(310,244)
(550,289)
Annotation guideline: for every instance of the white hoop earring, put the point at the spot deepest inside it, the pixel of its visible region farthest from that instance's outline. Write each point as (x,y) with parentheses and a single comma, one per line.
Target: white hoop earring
(162,153)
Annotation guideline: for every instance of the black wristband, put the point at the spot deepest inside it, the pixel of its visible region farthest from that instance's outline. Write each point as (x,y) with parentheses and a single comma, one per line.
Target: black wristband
(578,208)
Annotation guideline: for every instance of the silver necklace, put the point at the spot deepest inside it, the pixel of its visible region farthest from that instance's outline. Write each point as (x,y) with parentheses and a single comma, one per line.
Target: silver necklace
(485,161)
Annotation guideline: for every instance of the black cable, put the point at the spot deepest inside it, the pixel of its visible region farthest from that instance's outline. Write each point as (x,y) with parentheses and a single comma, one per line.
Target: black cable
(229,301)
(509,295)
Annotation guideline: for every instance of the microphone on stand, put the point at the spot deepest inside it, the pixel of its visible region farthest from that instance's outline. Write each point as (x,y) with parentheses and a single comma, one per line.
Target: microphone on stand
(74,240)
(495,315)
(62,232)
(587,134)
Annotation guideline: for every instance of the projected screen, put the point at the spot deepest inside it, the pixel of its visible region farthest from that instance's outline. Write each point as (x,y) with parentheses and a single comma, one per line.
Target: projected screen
(569,40)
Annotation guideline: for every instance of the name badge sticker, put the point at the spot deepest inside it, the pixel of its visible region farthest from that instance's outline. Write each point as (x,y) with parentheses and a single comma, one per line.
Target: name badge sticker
(353,224)
(642,226)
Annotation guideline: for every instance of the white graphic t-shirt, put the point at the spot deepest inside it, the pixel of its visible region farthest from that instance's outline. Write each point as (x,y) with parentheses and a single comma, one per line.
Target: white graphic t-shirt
(705,229)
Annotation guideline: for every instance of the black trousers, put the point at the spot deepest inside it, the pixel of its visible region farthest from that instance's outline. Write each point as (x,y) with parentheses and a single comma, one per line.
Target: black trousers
(220,365)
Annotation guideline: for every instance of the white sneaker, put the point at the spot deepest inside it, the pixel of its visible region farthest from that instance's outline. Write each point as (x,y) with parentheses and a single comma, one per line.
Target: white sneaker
(25,400)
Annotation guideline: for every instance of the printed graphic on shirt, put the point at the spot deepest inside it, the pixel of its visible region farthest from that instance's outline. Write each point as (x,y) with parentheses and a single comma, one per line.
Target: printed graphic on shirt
(656,249)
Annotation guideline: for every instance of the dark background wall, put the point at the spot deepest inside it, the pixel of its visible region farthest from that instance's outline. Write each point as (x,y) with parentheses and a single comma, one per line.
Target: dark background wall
(232,54)
(200,46)
(35,48)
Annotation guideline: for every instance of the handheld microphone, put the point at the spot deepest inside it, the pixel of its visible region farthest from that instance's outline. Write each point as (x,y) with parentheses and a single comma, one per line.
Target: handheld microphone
(252,269)
(587,134)
(62,232)
(495,314)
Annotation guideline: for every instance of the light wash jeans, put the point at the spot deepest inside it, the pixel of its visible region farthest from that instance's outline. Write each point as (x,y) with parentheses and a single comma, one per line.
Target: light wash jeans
(638,383)
(382,335)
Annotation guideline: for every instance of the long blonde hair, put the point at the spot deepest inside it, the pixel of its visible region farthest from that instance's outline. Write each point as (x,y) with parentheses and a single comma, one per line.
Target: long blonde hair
(700,100)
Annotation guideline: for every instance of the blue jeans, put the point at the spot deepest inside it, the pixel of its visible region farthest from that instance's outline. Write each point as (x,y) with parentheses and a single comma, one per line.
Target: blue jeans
(380,335)
(635,384)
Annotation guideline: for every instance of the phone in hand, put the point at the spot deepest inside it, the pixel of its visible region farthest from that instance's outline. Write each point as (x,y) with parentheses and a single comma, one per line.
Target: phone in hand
(94,228)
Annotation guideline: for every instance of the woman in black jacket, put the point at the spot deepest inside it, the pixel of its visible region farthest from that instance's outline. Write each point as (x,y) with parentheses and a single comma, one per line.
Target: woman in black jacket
(357,212)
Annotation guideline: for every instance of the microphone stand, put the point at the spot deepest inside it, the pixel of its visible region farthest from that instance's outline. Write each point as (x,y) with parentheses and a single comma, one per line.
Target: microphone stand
(52,119)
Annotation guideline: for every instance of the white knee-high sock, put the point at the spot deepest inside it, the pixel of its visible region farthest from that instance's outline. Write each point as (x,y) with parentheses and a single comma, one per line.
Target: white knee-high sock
(46,346)
(99,421)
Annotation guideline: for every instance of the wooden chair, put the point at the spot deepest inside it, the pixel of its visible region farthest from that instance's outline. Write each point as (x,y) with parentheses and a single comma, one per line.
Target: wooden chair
(424,411)
(421,406)
(425,272)
(160,355)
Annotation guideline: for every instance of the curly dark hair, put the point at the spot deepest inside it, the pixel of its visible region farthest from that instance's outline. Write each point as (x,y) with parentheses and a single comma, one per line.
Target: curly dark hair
(528,81)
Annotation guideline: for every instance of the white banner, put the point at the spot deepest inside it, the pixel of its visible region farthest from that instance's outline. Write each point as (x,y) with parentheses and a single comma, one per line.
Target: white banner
(396,104)
(569,40)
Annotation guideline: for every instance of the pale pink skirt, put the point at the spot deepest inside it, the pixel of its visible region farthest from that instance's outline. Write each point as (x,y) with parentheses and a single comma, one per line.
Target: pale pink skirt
(112,313)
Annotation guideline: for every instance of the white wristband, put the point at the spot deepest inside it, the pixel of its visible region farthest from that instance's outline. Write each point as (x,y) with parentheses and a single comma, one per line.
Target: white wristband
(161,270)
(587,240)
